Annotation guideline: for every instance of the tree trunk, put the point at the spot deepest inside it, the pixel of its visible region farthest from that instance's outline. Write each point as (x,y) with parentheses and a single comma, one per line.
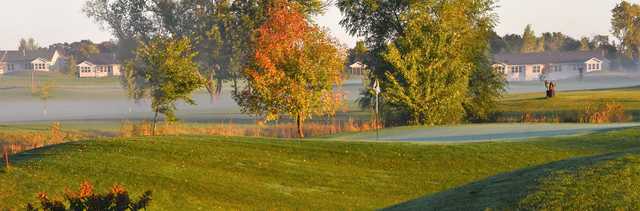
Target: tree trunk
(5,157)
(299,123)
(155,121)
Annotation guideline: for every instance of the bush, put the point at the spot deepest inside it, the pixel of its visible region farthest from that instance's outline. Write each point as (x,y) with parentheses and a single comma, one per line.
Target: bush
(85,199)
(604,113)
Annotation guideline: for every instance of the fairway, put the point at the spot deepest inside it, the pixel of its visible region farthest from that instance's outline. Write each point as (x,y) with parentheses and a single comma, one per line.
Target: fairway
(192,173)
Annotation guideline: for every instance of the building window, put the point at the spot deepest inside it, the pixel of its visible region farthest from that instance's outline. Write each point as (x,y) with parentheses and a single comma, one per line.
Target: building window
(537,69)
(11,67)
(557,68)
(110,68)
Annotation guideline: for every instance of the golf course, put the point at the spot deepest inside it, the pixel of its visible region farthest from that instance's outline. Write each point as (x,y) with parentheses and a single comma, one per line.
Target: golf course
(470,166)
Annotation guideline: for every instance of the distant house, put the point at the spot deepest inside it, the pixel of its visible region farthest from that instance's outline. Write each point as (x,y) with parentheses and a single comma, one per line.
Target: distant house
(102,65)
(40,60)
(357,68)
(549,65)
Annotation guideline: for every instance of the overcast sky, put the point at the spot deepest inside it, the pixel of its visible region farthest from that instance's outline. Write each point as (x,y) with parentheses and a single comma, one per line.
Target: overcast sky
(51,21)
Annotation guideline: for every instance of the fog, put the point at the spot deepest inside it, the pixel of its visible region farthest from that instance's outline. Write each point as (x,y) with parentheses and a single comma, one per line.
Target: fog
(114,105)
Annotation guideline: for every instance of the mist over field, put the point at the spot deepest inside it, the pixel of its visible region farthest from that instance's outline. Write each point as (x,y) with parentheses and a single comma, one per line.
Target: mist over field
(106,100)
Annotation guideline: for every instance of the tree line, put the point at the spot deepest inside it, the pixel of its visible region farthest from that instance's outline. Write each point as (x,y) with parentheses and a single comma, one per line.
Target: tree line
(277,61)
(431,58)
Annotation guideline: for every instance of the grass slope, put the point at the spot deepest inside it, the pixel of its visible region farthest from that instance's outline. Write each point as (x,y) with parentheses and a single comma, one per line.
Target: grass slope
(569,102)
(192,173)
(603,182)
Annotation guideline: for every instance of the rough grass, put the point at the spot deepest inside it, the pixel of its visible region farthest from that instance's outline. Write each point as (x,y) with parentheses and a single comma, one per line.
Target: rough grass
(191,173)
(567,105)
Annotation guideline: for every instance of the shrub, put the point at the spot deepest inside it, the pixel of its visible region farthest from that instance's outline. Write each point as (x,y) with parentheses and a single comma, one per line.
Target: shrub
(604,113)
(117,199)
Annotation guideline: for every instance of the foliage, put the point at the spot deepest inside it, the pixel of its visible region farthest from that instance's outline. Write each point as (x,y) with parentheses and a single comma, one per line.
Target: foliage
(432,62)
(164,71)
(605,112)
(71,68)
(28,45)
(626,27)
(528,40)
(222,32)
(117,199)
(294,69)
(486,89)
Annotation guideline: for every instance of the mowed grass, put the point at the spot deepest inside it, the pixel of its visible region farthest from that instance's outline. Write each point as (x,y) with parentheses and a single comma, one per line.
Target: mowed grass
(570,100)
(602,182)
(567,105)
(205,173)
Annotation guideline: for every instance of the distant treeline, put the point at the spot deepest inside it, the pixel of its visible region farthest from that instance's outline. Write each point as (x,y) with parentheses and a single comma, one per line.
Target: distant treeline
(528,42)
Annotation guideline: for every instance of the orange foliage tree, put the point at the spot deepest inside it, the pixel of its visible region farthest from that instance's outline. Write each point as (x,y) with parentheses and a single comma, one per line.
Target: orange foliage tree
(295,70)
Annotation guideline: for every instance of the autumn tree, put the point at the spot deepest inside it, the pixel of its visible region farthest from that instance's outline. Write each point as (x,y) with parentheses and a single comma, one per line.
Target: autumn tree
(164,71)
(528,40)
(294,69)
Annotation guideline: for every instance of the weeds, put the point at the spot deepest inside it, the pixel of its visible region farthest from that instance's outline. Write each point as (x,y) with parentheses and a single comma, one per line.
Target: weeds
(287,130)
(117,199)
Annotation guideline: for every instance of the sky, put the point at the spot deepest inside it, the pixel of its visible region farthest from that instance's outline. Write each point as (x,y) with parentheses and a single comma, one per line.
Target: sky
(51,21)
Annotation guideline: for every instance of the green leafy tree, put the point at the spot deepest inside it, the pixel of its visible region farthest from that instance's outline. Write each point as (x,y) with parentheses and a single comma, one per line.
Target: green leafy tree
(27,45)
(164,71)
(528,40)
(426,72)
(626,27)
(585,44)
(72,66)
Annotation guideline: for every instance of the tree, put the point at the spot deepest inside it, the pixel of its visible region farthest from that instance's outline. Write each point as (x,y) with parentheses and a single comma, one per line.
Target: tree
(415,80)
(164,71)
(528,40)
(585,44)
(44,93)
(540,44)
(626,27)
(72,68)
(28,45)
(294,69)
(222,32)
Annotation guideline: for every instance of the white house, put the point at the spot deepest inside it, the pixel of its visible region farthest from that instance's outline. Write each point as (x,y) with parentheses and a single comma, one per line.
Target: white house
(102,65)
(549,65)
(40,60)
(358,68)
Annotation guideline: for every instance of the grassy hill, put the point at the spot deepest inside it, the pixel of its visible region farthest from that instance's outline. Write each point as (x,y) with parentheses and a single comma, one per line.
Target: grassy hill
(603,182)
(192,173)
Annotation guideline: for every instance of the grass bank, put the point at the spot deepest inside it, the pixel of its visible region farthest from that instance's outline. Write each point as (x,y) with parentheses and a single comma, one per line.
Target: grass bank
(566,106)
(191,173)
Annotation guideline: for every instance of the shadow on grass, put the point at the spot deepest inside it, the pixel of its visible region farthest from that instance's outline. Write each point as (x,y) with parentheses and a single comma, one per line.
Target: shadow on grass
(503,191)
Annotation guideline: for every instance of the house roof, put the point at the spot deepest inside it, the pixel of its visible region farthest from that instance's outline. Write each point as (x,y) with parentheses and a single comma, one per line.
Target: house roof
(358,65)
(549,57)
(27,56)
(103,59)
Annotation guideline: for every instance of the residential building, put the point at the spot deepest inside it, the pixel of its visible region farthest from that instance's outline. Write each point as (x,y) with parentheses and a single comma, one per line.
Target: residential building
(358,68)
(549,65)
(39,60)
(102,65)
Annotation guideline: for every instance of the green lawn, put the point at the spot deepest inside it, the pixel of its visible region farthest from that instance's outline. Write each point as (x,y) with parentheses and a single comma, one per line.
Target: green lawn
(569,102)
(191,173)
